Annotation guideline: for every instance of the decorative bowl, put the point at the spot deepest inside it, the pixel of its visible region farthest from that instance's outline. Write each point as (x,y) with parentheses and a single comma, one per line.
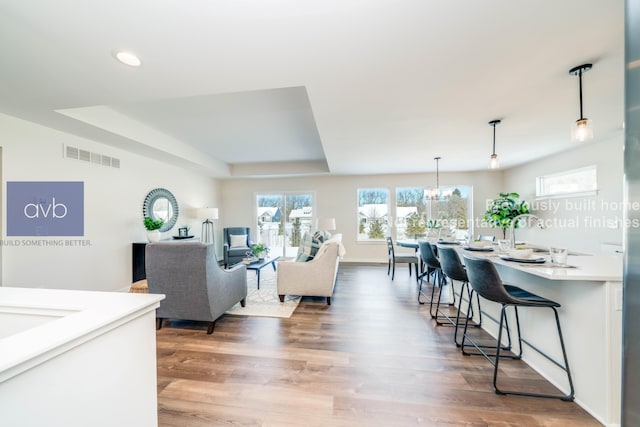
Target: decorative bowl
(478,244)
(522,253)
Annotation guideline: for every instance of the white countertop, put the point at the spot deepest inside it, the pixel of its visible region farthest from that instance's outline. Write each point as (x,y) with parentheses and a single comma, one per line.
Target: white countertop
(39,324)
(601,268)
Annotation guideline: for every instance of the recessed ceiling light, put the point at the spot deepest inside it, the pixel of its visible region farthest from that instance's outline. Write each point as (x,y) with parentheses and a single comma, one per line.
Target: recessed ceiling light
(127,58)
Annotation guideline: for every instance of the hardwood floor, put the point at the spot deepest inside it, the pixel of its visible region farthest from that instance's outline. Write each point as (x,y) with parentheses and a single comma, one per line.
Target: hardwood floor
(373,357)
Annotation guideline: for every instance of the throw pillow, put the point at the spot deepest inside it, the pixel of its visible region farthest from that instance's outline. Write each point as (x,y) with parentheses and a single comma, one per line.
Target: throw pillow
(238,240)
(304,250)
(321,236)
(309,245)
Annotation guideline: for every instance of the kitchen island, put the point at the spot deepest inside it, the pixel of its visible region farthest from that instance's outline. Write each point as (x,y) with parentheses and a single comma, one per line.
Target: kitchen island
(590,292)
(77,358)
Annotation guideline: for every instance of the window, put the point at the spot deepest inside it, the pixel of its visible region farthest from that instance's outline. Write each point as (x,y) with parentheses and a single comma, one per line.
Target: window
(411,213)
(421,212)
(282,221)
(373,214)
(580,182)
(450,212)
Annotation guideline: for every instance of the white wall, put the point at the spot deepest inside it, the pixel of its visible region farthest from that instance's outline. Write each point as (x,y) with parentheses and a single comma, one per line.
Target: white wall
(113,208)
(336,196)
(581,223)
(113,203)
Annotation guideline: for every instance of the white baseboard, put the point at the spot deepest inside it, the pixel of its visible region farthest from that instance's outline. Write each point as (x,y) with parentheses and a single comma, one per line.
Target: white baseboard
(363,261)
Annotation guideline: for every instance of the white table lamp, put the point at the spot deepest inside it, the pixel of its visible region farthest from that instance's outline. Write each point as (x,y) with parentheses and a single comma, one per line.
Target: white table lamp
(326,224)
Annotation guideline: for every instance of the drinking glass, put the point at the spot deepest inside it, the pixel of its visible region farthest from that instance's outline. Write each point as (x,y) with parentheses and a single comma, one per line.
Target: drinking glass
(504,245)
(558,255)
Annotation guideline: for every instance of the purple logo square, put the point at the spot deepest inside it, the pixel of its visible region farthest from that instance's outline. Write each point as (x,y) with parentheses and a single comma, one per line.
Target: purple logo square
(45,208)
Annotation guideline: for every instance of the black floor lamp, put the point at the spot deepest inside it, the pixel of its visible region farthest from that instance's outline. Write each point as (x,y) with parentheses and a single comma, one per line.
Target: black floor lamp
(206,235)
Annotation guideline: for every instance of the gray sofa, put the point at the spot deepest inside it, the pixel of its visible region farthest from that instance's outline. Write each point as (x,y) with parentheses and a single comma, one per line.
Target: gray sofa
(195,286)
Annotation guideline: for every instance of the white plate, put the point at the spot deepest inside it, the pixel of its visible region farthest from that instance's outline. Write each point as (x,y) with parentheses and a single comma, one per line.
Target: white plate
(541,260)
(484,249)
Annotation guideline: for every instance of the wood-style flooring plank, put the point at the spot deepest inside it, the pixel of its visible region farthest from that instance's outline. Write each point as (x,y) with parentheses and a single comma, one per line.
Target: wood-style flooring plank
(374,357)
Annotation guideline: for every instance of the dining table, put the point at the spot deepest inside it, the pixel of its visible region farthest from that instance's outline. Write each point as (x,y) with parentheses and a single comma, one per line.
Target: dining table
(408,243)
(415,243)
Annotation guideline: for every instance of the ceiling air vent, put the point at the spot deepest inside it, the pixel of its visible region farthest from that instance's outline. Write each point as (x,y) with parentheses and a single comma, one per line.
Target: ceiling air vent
(71,152)
(87,156)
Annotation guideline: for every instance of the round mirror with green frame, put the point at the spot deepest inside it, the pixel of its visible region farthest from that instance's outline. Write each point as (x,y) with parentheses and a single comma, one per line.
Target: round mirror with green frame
(161,204)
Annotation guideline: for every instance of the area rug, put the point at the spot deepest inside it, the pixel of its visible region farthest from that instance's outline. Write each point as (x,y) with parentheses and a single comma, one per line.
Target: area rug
(265,302)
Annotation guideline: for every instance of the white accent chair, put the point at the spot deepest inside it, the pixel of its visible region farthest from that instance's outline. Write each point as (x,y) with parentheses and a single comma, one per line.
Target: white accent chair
(312,278)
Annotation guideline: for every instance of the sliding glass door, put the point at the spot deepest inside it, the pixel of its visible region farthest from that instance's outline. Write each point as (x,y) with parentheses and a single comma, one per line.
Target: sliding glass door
(282,220)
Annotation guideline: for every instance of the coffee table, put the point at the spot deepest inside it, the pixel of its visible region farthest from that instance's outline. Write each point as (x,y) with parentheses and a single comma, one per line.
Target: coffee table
(257,266)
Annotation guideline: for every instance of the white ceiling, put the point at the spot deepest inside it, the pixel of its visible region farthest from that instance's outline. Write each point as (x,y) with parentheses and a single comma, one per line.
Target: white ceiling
(234,87)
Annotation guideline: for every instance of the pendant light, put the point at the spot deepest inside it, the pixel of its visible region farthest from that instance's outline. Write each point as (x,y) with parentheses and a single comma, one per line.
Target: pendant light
(434,193)
(582,130)
(437,159)
(494,163)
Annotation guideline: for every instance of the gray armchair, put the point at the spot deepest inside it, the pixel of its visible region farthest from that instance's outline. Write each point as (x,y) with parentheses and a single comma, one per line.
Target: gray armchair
(236,247)
(195,286)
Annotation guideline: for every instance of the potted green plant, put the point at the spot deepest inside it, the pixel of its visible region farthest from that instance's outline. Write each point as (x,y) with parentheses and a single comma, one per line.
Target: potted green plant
(260,250)
(502,210)
(153,227)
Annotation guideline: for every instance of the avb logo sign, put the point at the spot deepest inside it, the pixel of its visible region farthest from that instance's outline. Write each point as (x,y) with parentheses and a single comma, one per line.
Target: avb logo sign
(45,208)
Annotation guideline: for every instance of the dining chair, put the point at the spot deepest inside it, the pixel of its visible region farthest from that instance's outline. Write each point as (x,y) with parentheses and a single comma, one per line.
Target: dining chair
(399,259)
(485,280)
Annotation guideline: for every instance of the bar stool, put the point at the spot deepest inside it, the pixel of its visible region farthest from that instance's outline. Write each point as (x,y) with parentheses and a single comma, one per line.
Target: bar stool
(453,269)
(485,280)
(428,256)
